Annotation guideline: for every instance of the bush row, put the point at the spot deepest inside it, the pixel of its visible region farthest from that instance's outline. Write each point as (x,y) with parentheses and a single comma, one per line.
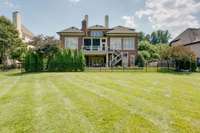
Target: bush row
(61,61)
(67,60)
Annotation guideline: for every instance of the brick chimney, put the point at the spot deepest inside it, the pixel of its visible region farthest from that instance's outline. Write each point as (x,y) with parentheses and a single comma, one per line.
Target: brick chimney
(17,22)
(107,21)
(85,25)
(86,19)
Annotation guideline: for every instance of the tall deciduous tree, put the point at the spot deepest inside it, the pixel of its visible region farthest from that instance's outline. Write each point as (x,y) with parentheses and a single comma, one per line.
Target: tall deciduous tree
(156,37)
(160,37)
(9,39)
(45,45)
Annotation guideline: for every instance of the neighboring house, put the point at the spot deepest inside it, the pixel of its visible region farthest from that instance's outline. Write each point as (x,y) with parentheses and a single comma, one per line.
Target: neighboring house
(102,46)
(190,38)
(24,33)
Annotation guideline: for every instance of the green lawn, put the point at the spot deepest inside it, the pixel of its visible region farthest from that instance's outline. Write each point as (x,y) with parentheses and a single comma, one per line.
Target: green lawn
(99,102)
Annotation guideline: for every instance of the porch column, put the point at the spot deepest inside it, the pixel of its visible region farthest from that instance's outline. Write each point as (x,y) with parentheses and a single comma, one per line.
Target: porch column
(107,60)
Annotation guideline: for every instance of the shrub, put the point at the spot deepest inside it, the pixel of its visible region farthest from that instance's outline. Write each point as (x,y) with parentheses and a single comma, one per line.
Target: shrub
(33,62)
(184,58)
(140,61)
(67,60)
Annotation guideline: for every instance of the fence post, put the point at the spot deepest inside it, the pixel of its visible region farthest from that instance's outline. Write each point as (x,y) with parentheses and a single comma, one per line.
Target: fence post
(157,66)
(146,66)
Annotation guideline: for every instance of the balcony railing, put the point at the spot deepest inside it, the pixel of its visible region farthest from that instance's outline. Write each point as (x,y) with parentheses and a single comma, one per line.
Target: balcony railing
(94,48)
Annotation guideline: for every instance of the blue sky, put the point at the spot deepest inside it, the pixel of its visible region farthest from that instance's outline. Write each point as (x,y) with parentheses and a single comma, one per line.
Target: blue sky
(49,16)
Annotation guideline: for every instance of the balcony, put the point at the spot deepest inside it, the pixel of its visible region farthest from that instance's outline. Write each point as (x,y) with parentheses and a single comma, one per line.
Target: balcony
(94,50)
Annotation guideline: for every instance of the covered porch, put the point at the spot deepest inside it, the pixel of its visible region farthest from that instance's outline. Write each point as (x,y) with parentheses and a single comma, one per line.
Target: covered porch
(96,60)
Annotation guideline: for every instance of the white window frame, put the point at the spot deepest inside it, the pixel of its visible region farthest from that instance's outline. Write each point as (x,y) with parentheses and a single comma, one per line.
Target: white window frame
(116,43)
(129,43)
(73,40)
(96,33)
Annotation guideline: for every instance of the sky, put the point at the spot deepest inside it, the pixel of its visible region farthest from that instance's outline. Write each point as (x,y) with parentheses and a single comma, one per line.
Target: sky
(50,16)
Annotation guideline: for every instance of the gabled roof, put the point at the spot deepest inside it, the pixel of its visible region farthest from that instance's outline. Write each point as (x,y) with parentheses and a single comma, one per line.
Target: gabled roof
(97,27)
(71,30)
(27,32)
(189,36)
(121,30)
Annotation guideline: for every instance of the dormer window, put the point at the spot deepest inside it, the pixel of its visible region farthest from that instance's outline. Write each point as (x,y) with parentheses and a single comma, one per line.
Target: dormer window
(96,33)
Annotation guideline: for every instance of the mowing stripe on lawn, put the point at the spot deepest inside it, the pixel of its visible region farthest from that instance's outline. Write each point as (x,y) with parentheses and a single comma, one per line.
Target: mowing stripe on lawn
(6,86)
(120,100)
(16,109)
(86,125)
(55,114)
(164,110)
(99,102)
(101,112)
(114,98)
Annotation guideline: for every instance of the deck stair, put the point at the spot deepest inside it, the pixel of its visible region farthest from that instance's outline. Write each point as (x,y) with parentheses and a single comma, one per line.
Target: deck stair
(116,58)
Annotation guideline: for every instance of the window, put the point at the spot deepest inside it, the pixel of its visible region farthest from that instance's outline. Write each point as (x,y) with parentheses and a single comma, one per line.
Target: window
(129,43)
(115,44)
(96,44)
(87,44)
(71,42)
(96,33)
(103,40)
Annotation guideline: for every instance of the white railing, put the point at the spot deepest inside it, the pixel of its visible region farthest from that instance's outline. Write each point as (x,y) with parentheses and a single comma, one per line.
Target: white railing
(94,48)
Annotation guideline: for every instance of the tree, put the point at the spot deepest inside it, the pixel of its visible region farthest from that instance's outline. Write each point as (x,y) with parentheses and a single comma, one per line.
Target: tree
(160,37)
(145,54)
(140,61)
(67,60)
(45,45)
(184,58)
(9,39)
(149,51)
(33,62)
(156,37)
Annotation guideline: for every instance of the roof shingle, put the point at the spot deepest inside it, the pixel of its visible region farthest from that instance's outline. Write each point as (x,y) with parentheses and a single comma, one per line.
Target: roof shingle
(189,36)
(97,27)
(121,30)
(71,30)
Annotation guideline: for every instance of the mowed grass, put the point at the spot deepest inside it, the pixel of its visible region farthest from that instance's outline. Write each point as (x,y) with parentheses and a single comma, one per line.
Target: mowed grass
(99,102)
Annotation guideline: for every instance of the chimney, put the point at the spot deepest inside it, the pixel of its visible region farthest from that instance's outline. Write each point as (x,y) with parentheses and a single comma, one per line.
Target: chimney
(17,22)
(107,21)
(85,25)
(86,19)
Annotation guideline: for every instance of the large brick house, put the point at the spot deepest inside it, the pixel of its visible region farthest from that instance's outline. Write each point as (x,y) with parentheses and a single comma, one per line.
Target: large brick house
(190,39)
(102,46)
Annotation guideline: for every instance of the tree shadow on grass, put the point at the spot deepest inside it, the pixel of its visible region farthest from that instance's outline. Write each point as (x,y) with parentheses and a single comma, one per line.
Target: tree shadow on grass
(19,73)
(175,72)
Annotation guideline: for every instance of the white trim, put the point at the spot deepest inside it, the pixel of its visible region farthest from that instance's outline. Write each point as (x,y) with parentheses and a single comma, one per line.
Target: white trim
(116,43)
(129,43)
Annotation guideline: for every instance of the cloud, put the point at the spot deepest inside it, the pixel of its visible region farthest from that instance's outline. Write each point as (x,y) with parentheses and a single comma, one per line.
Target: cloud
(129,21)
(9,3)
(174,15)
(74,1)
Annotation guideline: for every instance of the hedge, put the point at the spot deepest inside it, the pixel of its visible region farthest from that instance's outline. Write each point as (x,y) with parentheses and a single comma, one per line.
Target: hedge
(62,61)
